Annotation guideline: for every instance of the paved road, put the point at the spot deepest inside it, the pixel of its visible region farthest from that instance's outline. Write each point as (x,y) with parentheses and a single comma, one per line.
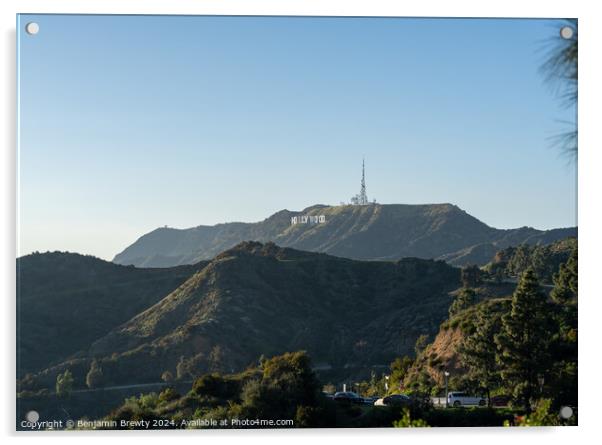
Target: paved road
(137,385)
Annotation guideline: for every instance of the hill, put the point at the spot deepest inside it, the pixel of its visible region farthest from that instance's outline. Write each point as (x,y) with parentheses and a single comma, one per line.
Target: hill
(443,353)
(545,259)
(368,232)
(65,301)
(260,299)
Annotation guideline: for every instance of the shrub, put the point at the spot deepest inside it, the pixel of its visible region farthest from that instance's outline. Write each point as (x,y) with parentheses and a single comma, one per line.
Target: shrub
(215,385)
(94,377)
(407,422)
(64,384)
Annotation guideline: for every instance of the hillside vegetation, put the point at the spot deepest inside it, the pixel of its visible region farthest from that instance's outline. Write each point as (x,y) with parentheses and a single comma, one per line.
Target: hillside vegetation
(259,299)
(523,346)
(65,301)
(543,259)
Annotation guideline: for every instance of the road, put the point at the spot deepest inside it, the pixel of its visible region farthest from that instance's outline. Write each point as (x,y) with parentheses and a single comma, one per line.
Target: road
(137,385)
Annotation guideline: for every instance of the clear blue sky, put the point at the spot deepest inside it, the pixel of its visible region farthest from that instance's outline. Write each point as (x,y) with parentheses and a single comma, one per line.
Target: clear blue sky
(129,123)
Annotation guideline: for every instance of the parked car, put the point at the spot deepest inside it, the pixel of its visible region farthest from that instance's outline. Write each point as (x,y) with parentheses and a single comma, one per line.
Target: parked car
(328,395)
(463,399)
(347,397)
(394,400)
(370,400)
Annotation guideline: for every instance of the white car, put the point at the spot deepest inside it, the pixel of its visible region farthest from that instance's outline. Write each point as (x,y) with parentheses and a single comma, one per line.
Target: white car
(462,399)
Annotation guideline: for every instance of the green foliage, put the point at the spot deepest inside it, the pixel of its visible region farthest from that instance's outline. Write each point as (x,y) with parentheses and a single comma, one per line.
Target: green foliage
(465,298)
(541,416)
(64,384)
(524,340)
(168,395)
(545,260)
(399,370)
(407,422)
(279,294)
(190,367)
(94,377)
(139,408)
(478,353)
(565,281)
(216,385)
(284,387)
(471,276)
(167,376)
(51,285)
(563,383)
(287,382)
(306,416)
(561,72)
(421,383)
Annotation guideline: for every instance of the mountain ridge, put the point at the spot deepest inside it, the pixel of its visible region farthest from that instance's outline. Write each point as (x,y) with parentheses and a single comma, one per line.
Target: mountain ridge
(259,298)
(369,232)
(74,299)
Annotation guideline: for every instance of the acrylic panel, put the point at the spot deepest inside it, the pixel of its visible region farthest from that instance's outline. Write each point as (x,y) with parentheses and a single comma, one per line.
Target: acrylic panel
(282,222)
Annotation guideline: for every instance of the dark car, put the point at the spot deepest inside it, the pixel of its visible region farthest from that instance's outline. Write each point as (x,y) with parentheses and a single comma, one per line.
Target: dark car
(328,395)
(394,400)
(347,397)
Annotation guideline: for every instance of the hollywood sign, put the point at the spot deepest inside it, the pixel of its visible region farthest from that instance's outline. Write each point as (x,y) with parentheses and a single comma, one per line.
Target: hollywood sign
(308,219)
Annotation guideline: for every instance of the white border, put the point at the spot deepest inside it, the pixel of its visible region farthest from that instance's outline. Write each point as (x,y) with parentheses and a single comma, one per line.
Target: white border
(589,207)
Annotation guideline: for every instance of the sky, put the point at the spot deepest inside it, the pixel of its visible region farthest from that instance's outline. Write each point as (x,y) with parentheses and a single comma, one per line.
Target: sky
(129,123)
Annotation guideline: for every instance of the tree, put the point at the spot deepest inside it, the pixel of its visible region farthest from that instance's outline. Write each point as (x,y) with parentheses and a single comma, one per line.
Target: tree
(564,347)
(167,376)
(471,276)
(94,376)
(182,368)
(287,382)
(421,383)
(561,71)
(64,384)
(497,271)
(524,340)
(520,260)
(565,281)
(541,416)
(477,352)
(399,369)
(465,298)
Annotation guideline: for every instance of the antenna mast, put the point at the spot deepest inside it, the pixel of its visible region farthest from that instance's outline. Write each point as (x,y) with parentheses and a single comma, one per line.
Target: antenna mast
(363,198)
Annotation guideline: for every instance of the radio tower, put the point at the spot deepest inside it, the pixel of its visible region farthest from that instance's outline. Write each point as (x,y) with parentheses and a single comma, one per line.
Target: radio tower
(363,197)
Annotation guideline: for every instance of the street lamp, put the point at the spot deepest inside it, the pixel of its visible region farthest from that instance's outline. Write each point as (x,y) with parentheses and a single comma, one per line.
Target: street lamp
(387,383)
(446,374)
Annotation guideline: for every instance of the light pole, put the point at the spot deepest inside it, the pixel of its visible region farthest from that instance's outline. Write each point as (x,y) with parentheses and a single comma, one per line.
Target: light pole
(446,374)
